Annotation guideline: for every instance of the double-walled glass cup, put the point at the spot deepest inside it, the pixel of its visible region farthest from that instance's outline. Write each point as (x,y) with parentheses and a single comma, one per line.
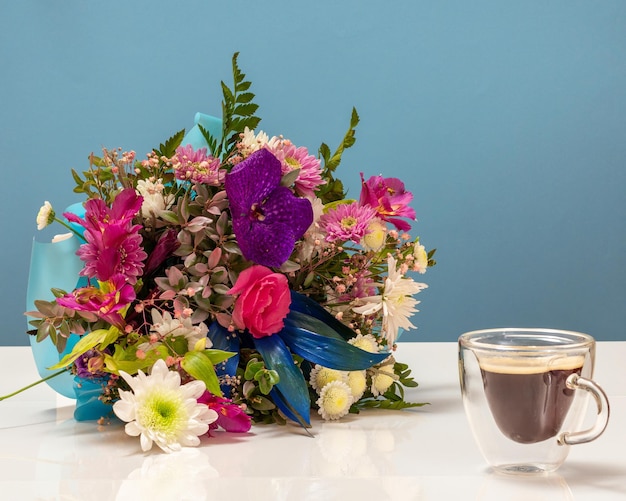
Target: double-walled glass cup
(522,395)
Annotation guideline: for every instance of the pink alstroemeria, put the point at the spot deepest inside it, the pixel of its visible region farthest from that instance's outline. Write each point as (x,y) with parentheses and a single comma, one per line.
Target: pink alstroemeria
(388,196)
(231,417)
(105,302)
(113,242)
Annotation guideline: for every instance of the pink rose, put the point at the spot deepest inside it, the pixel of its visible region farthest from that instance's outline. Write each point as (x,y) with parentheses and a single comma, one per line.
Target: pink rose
(263,301)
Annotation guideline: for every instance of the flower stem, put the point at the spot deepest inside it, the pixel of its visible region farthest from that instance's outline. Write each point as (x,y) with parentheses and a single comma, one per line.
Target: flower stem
(33,384)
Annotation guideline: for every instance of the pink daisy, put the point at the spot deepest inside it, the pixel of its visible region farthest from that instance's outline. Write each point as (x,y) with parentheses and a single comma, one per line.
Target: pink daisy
(347,222)
(196,166)
(292,158)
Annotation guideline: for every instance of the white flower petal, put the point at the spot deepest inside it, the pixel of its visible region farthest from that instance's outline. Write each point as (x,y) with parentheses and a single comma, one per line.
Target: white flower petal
(162,411)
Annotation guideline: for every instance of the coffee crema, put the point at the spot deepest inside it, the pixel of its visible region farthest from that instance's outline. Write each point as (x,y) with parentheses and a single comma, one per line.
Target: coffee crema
(528,397)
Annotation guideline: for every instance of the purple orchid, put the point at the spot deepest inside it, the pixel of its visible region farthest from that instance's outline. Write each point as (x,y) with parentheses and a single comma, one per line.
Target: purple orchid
(267,218)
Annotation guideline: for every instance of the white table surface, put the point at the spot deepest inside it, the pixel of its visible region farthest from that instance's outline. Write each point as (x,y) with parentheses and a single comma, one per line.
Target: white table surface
(423,454)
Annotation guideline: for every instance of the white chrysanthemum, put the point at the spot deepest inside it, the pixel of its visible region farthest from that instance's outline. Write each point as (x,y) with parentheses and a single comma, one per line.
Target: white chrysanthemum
(396,302)
(335,400)
(45,216)
(161,411)
(421,258)
(251,142)
(154,202)
(321,376)
(357,381)
(381,381)
(165,325)
(366,342)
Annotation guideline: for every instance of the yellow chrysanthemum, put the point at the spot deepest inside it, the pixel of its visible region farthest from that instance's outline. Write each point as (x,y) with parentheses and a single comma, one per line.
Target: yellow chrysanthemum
(321,376)
(335,400)
(357,381)
(367,343)
(381,383)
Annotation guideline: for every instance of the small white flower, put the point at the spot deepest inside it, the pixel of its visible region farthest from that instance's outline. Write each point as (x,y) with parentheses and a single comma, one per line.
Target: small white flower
(396,302)
(165,326)
(321,376)
(45,216)
(314,239)
(250,142)
(421,258)
(154,202)
(161,411)
(335,400)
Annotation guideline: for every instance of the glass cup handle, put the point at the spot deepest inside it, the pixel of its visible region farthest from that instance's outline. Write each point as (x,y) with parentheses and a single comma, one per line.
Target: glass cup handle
(576,382)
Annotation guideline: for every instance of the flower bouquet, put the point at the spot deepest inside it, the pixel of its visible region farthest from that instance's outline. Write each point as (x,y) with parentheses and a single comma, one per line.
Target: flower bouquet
(226,279)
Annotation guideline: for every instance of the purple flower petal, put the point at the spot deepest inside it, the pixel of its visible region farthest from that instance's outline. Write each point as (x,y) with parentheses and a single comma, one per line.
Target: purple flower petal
(267,218)
(251,181)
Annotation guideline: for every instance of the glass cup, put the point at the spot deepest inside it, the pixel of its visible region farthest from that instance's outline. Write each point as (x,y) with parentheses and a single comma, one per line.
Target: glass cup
(521,395)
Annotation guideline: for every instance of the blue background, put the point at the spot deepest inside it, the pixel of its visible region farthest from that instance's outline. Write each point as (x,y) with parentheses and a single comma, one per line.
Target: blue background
(507,120)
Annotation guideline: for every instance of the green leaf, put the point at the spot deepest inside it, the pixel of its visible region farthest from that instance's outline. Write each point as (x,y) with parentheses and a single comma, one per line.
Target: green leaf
(266,379)
(210,140)
(246,110)
(348,141)
(169,216)
(217,356)
(58,292)
(169,148)
(84,344)
(199,366)
(324,152)
(245,97)
(261,403)
(288,179)
(253,366)
(44,330)
(387,404)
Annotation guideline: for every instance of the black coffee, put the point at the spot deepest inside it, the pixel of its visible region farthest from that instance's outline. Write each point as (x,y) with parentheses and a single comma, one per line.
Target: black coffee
(529,403)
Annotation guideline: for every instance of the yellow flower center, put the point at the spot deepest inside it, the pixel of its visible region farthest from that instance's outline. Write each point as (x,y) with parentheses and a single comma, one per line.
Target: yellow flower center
(163,413)
(348,222)
(336,399)
(292,163)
